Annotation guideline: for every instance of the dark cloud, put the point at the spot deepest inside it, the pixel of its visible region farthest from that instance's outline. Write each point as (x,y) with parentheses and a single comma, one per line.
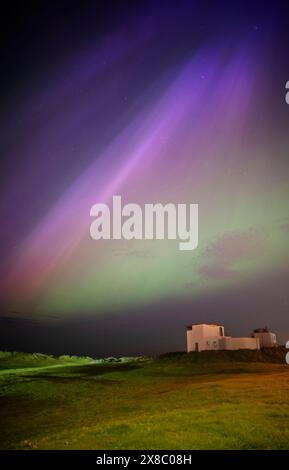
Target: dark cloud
(229,249)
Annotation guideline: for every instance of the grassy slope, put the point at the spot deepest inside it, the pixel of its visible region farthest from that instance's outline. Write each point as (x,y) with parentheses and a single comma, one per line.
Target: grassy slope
(18,360)
(175,402)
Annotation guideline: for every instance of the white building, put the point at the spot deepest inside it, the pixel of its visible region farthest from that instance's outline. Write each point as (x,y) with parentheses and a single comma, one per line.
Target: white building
(266,338)
(211,336)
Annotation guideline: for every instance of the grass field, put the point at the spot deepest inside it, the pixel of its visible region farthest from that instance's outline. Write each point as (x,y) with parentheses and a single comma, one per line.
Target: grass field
(178,401)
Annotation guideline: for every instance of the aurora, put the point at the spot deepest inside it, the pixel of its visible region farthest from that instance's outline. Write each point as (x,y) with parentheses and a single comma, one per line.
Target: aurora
(157,106)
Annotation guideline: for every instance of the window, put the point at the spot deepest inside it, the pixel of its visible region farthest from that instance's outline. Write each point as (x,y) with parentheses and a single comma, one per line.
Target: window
(221,331)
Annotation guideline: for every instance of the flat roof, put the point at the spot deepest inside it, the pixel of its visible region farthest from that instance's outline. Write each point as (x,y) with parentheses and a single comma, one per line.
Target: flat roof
(210,324)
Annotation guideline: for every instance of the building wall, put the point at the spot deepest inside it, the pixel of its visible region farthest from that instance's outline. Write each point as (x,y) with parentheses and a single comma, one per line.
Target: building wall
(204,336)
(266,339)
(238,343)
(211,337)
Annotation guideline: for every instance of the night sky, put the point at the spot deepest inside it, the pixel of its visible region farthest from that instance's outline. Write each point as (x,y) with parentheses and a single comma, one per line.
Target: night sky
(169,101)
